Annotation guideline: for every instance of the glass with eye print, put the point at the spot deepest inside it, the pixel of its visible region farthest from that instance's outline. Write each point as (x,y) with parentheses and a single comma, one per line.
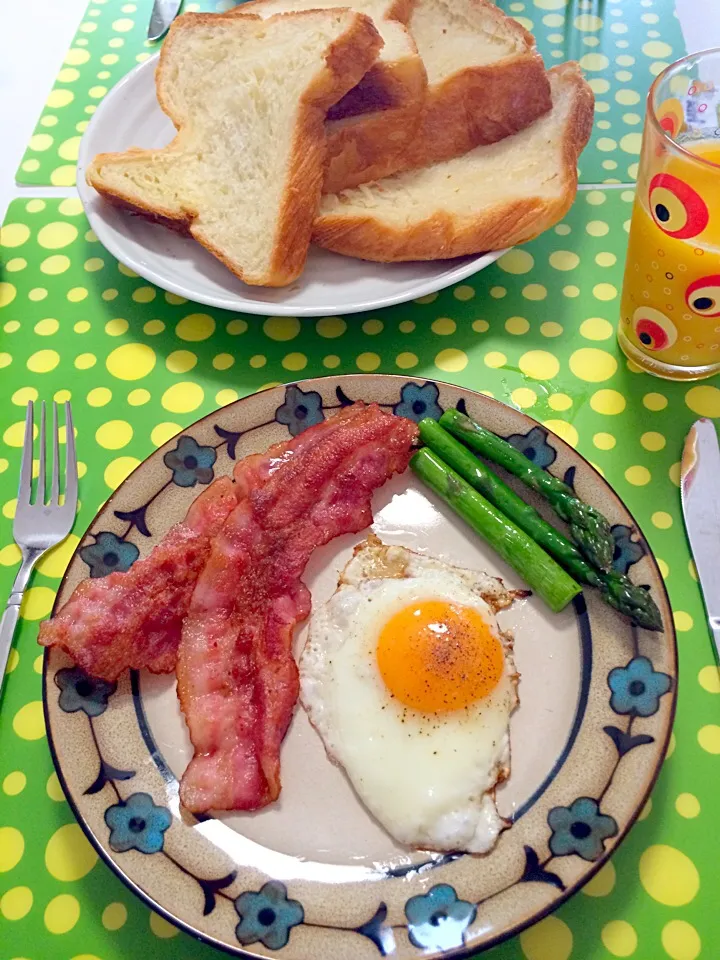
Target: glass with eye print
(670,307)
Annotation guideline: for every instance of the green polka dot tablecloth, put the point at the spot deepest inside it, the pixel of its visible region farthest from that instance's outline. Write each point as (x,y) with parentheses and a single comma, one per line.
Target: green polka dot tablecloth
(536,330)
(622,45)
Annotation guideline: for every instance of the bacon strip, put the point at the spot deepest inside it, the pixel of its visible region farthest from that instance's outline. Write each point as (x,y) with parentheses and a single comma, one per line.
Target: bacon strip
(133,619)
(237,679)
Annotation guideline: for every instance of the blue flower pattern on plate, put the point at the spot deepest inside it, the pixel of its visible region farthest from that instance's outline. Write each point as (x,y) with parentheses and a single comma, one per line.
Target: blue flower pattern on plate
(417,402)
(627,551)
(437,920)
(300,410)
(190,463)
(535,446)
(636,688)
(137,824)
(580,828)
(109,554)
(79,691)
(267,916)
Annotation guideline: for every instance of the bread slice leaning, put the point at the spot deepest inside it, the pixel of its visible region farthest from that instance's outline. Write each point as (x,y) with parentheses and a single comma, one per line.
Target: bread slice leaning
(248,98)
(381,114)
(396,79)
(491,197)
(485,81)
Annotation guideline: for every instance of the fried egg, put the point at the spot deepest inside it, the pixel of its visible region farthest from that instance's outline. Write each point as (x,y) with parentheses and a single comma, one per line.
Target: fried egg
(410,683)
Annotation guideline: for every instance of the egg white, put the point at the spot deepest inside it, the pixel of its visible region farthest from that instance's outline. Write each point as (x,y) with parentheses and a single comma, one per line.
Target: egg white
(427,778)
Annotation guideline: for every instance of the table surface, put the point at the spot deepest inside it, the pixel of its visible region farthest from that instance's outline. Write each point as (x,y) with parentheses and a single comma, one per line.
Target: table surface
(643,904)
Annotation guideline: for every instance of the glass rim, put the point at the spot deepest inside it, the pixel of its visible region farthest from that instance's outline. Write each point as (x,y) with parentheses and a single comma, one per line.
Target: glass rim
(650,109)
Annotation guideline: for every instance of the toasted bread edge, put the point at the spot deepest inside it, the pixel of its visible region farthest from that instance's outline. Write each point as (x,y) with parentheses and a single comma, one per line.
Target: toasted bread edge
(442,236)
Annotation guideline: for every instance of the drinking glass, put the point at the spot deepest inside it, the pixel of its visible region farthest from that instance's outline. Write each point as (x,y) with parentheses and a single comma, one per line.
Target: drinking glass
(670,307)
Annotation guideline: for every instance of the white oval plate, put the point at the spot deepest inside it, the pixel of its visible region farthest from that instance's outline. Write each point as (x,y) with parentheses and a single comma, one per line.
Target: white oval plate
(130,116)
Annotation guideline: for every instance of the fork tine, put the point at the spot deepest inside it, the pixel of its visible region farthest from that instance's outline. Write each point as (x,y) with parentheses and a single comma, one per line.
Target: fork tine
(24,487)
(40,497)
(71,476)
(55,481)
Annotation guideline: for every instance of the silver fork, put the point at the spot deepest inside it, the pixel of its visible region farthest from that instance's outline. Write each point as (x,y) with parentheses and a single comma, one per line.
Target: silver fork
(39,525)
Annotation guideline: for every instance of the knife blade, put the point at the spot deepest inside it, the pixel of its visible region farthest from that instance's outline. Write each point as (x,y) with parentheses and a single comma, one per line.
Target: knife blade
(700,491)
(163,14)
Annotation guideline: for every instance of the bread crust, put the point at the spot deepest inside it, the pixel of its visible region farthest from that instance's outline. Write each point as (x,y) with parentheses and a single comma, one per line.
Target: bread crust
(482,104)
(369,147)
(469,108)
(443,235)
(346,59)
(388,84)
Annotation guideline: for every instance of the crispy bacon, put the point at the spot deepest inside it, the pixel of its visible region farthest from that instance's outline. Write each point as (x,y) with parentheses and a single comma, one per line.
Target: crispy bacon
(237,679)
(133,619)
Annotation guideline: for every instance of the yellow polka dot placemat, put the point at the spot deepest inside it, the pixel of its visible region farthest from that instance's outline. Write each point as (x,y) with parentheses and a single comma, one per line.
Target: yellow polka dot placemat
(537,331)
(622,45)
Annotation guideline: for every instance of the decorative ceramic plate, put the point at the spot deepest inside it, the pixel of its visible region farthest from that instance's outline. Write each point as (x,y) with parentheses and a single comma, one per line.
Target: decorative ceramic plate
(314,875)
(130,116)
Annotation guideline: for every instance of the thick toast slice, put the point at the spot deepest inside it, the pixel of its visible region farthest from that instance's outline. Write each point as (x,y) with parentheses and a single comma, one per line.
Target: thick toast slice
(396,79)
(248,98)
(380,115)
(485,81)
(492,197)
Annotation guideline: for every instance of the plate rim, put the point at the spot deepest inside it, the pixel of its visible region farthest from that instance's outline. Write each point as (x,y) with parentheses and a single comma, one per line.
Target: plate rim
(106,237)
(466,951)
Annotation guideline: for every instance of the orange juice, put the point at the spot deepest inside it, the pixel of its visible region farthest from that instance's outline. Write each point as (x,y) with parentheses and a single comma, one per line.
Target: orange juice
(670,307)
(707,149)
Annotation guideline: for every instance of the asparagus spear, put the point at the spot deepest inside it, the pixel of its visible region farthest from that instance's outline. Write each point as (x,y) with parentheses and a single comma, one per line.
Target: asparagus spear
(537,569)
(588,527)
(615,589)
(629,599)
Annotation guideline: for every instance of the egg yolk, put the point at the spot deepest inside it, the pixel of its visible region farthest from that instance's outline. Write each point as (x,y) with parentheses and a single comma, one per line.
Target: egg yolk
(436,656)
